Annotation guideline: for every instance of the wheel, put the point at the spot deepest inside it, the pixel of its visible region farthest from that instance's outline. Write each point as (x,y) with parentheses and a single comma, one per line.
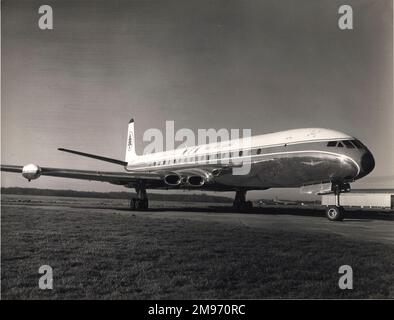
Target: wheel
(249,205)
(242,206)
(335,213)
(132,204)
(141,204)
(237,205)
(145,204)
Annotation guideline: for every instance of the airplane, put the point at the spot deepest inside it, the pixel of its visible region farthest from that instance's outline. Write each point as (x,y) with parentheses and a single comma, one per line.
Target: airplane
(323,159)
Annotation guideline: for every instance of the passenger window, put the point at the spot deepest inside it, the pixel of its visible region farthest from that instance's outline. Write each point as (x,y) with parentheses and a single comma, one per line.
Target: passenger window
(340,145)
(331,144)
(348,144)
(240,153)
(258,151)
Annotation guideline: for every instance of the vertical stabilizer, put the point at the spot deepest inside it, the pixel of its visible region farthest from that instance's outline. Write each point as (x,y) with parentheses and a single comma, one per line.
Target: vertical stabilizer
(130,146)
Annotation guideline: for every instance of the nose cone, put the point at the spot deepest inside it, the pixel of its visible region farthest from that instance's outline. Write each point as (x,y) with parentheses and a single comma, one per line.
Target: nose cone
(367,163)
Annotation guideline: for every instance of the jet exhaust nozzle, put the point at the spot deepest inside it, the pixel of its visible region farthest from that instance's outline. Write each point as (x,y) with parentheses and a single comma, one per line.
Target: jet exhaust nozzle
(172,179)
(195,181)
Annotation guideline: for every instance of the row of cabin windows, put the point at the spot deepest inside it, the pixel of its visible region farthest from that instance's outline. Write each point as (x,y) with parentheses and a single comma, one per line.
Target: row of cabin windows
(350,144)
(206,157)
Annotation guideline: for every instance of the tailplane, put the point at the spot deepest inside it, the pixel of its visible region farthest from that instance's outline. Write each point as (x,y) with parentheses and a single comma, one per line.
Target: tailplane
(94,156)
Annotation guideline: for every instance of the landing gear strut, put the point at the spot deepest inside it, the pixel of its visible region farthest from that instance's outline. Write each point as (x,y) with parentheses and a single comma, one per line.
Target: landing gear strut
(141,202)
(337,212)
(240,203)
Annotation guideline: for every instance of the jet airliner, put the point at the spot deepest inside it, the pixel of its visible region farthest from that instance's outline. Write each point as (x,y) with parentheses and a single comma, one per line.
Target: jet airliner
(308,157)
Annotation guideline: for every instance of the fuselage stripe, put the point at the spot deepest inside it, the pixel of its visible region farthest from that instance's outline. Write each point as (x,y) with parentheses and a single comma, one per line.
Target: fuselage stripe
(240,160)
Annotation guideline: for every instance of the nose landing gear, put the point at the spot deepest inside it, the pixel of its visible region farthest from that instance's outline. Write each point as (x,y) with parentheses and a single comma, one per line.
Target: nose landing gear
(337,212)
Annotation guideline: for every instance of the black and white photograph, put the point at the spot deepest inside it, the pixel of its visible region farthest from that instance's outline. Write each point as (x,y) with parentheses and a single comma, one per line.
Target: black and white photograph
(214,151)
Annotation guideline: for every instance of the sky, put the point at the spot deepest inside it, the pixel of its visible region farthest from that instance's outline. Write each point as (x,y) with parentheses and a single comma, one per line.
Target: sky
(265,65)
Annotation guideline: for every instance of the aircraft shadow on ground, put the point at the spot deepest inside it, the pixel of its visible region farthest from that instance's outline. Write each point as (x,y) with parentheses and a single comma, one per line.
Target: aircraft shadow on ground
(354,215)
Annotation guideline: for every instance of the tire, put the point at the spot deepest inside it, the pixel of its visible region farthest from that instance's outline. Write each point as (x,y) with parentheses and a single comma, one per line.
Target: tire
(243,206)
(334,213)
(145,204)
(237,205)
(132,204)
(141,204)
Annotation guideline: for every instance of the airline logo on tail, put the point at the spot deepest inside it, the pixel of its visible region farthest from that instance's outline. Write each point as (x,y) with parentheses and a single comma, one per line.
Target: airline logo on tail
(130,141)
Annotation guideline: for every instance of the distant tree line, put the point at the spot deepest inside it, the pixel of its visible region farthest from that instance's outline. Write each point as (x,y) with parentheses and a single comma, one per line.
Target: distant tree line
(114,195)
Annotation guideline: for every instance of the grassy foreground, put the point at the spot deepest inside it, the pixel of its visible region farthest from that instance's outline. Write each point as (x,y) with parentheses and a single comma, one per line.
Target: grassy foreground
(118,255)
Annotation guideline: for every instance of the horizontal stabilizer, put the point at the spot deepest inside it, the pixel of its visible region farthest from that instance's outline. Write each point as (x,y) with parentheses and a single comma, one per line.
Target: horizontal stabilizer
(88,155)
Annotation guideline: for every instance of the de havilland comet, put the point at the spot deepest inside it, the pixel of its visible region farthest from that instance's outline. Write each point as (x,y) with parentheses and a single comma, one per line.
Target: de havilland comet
(321,160)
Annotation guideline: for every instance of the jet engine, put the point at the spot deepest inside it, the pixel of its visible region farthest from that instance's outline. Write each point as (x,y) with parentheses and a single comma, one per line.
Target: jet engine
(193,177)
(31,172)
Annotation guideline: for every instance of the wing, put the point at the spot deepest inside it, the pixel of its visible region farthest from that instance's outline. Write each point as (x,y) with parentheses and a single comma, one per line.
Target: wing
(120,178)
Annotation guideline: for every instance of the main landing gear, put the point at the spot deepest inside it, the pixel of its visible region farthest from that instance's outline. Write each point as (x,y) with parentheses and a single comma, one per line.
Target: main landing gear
(141,202)
(240,203)
(337,212)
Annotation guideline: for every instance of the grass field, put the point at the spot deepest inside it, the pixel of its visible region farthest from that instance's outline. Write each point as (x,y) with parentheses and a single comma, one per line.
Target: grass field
(120,255)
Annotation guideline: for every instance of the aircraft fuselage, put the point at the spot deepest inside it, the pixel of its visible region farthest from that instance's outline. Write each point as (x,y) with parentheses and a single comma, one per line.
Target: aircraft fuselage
(285,159)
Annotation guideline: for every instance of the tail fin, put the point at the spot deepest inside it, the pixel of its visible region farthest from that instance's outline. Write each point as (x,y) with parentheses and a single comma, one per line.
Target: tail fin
(130,147)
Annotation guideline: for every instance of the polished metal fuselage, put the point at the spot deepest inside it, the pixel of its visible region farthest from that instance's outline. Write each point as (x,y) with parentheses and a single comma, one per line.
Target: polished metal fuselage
(284,166)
